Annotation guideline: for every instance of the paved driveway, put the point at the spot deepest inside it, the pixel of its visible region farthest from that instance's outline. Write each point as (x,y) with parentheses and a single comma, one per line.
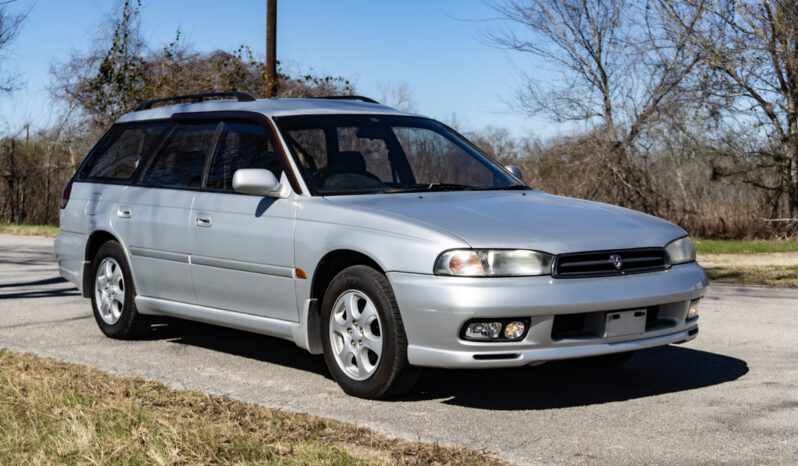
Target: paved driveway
(729,396)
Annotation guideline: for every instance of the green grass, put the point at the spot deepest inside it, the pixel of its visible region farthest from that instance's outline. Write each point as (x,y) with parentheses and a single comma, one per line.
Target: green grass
(718,246)
(28,230)
(53,412)
(774,275)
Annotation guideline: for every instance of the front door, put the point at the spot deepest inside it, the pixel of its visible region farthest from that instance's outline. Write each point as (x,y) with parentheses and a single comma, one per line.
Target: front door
(242,248)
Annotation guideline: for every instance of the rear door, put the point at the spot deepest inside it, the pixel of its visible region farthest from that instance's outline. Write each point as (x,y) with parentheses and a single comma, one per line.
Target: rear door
(155,214)
(98,185)
(242,248)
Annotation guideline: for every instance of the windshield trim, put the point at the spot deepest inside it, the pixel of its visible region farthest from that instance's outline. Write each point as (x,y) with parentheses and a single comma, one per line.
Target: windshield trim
(314,192)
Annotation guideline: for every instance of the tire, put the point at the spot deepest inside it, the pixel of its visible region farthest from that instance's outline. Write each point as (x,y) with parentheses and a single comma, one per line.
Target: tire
(605,361)
(365,346)
(113,294)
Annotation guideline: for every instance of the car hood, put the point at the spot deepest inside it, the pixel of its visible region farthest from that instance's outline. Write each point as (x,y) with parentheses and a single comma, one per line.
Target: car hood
(523,220)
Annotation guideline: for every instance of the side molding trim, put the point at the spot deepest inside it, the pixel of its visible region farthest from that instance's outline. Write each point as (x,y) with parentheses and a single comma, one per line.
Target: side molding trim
(276,270)
(157,254)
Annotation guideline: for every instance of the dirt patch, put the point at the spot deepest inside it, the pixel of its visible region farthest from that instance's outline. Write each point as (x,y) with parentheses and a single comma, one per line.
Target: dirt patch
(783,259)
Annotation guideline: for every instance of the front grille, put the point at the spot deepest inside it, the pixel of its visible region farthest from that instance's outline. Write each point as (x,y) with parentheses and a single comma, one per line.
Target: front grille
(603,263)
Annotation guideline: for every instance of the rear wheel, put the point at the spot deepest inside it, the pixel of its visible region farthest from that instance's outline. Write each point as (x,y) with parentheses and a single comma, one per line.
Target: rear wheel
(113,294)
(365,346)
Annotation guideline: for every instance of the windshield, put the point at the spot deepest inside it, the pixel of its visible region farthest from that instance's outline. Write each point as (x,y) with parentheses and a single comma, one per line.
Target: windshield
(364,154)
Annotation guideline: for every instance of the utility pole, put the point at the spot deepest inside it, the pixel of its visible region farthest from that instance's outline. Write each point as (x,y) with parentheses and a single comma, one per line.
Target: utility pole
(271,48)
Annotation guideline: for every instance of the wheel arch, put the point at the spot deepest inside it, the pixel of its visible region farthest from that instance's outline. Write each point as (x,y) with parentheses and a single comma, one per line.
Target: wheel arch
(96,239)
(326,269)
(332,263)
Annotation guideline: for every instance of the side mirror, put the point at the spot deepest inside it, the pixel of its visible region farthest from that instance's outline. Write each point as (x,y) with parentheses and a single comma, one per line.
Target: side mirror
(256,181)
(515,171)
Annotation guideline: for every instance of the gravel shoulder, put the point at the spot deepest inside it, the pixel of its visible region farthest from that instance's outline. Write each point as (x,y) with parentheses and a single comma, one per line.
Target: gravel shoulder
(730,396)
(749,260)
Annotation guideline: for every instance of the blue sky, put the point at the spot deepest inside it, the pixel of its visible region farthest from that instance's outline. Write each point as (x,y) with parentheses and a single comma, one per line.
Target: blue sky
(437,48)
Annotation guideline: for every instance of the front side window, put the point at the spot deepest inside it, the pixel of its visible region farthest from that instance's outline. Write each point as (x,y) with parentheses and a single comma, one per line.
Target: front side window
(242,145)
(120,154)
(363,154)
(181,160)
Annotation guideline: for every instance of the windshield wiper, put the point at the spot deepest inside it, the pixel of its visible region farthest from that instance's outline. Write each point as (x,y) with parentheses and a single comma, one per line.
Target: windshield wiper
(519,187)
(432,187)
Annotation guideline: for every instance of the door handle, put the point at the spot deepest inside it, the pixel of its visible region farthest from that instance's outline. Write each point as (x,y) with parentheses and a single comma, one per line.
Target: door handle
(204,220)
(124,212)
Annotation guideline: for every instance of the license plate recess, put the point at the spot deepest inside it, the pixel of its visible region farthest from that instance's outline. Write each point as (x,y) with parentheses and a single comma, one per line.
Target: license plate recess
(621,323)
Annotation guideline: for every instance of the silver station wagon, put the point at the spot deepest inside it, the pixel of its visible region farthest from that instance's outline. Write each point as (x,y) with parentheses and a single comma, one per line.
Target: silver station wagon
(383,240)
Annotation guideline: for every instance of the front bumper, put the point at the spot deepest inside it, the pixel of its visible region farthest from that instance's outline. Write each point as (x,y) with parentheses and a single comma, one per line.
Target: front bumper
(435,308)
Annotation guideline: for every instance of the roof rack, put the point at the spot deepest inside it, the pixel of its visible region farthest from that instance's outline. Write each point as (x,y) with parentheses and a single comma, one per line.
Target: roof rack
(195,98)
(349,97)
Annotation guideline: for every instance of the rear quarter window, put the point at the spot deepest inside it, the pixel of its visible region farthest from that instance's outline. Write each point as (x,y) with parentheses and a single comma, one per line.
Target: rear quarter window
(118,156)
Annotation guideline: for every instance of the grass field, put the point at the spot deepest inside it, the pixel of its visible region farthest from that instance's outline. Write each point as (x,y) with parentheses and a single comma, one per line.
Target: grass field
(57,413)
(29,230)
(719,246)
(783,276)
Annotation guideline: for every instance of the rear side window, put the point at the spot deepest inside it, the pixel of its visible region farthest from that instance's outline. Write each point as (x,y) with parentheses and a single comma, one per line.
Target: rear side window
(181,159)
(242,145)
(118,156)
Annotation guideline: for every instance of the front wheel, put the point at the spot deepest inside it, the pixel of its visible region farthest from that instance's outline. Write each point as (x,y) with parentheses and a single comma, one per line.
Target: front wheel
(365,346)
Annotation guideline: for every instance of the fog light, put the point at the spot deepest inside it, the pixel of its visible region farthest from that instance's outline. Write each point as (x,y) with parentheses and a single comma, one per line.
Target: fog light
(514,330)
(692,313)
(483,330)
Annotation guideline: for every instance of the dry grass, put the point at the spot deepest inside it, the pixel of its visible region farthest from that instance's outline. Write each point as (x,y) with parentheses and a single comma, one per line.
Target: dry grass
(764,259)
(782,276)
(50,231)
(57,413)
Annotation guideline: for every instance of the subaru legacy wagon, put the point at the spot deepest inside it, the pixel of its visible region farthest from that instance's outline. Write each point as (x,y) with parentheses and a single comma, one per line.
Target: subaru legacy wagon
(383,240)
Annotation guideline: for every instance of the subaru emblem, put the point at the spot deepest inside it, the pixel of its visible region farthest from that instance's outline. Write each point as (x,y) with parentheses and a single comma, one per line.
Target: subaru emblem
(617,261)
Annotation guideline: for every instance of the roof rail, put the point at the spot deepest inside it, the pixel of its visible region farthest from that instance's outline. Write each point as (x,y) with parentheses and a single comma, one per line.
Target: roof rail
(195,98)
(349,97)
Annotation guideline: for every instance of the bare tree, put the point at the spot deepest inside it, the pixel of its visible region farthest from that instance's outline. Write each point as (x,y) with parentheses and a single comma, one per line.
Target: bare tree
(109,80)
(10,24)
(398,95)
(617,70)
(121,71)
(749,53)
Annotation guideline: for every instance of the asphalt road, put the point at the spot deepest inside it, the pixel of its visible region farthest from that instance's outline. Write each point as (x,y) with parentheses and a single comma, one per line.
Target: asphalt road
(730,396)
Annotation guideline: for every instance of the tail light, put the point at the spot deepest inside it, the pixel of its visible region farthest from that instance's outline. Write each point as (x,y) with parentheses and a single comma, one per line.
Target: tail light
(66,193)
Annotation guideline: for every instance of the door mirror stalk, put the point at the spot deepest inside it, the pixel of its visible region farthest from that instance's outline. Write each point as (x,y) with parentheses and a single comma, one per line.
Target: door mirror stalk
(257,182)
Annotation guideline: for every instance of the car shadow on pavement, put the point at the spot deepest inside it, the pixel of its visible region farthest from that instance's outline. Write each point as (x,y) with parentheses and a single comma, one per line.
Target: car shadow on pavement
(560,384)
(44,281)
(36,289)
(563,384)
(239,343)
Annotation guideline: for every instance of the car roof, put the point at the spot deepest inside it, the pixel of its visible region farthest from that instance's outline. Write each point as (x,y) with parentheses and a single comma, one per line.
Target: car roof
(267,107)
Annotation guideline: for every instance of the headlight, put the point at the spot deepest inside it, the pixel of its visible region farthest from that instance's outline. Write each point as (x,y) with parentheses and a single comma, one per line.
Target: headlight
(493,262)
(681,251)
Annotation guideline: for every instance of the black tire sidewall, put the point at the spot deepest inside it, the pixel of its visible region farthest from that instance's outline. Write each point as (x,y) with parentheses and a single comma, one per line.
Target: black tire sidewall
(125,326)
(393,356)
